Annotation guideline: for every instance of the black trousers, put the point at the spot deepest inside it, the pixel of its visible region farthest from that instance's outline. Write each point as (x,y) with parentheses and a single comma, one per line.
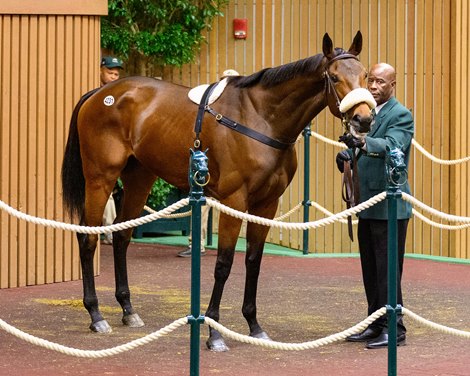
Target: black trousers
(373,236)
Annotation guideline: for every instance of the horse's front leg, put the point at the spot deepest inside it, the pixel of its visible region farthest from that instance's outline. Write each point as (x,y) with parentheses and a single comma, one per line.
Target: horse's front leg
(229,228)
(87,245)
(255,238)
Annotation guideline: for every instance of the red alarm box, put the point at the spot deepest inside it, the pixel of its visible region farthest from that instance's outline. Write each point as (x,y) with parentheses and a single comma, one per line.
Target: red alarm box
(240,28)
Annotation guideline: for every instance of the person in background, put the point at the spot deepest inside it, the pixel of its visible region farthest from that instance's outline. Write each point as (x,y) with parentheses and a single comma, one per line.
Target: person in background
(204,218)
(110,70)
(205,209)
(393,127)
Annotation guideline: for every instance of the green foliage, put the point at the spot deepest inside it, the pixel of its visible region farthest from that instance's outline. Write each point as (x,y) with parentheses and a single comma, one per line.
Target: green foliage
(167,32)
(158,194)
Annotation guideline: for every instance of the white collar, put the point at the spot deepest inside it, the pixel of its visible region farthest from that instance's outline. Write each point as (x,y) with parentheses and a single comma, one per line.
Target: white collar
(379,107)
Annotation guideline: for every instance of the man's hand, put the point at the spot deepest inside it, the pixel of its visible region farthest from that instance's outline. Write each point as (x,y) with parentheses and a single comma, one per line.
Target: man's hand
(341,157)
(351,141)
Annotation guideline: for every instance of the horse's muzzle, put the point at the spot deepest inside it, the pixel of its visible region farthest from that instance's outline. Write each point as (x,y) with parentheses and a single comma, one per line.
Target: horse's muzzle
(361,124)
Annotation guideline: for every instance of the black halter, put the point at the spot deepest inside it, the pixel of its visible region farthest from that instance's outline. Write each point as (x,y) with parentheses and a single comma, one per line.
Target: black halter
(330,86)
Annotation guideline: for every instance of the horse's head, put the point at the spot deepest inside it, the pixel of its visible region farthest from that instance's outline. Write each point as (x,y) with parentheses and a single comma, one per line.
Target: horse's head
(346,80)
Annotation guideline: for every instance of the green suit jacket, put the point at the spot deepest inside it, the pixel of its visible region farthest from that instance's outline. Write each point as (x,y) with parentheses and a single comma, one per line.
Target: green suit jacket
(394,127)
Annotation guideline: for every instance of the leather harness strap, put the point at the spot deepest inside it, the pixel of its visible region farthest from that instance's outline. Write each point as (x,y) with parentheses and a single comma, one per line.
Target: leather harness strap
(221,119)
(200,113)
(350,191)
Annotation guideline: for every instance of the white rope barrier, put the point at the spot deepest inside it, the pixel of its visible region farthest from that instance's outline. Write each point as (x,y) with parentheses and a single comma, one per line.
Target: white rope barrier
(95,229)
(276,222)
(437,213)
(230,334)
(415,213)
(439,225)
(270,344)
(183,321)
(413,142)
(297,226)
(295,346)
(433,325)
(328,141)
(327,212)
(438,160)
(175,215)
(289,213)
(188,213)
(93,353)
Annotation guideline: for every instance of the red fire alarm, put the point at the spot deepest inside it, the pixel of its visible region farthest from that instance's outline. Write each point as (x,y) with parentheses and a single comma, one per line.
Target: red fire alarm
(240,28)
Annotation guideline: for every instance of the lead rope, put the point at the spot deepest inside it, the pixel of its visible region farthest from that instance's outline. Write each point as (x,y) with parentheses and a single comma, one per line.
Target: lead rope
(350,191)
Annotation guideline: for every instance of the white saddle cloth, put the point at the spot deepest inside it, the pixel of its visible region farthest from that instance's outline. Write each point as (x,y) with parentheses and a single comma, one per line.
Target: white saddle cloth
(195,94)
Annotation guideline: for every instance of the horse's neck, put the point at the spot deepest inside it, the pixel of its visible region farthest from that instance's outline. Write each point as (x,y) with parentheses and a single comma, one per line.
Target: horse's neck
(288,107)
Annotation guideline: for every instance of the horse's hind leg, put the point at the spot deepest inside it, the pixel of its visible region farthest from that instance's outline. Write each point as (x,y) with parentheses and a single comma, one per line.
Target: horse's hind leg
(96,198)
(137,183)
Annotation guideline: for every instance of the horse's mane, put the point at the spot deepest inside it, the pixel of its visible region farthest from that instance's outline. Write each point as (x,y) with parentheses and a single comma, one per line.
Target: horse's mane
(270,77)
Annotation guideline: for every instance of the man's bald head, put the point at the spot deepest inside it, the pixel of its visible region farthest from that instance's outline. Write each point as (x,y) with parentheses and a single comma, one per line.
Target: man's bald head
(381,82)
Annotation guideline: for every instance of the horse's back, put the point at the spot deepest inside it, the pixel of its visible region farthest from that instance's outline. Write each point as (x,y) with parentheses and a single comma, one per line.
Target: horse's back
(149,119)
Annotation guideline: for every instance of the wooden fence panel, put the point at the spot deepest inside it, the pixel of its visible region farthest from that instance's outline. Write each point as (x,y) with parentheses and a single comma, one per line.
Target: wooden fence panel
(47,61)
(460,81)
(430,54)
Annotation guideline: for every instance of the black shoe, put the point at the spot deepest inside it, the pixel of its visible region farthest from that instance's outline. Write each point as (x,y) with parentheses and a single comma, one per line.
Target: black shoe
(187,253)
(382,341)
(368,334)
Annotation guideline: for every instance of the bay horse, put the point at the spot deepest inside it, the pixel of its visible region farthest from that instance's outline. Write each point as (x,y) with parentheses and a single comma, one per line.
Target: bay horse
(140,128)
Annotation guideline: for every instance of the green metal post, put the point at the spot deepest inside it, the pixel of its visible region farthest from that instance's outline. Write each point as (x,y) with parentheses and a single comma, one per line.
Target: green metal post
(396,171)
(392,196)
(306,202)
(197,178)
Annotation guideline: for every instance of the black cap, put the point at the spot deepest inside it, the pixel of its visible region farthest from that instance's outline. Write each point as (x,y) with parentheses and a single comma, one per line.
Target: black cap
(111,62)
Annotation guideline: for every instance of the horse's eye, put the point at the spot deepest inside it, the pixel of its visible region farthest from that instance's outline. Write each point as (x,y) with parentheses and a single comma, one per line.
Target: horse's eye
(334,78)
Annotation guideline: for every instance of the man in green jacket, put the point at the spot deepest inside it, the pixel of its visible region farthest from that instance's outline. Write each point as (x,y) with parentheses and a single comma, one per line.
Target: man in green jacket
(393,127)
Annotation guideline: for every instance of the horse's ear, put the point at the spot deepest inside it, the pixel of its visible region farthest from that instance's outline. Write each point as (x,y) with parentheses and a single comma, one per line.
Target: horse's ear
(356,46)
(327,46)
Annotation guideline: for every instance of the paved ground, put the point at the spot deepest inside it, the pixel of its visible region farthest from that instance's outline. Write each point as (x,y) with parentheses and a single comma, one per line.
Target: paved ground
(300,299)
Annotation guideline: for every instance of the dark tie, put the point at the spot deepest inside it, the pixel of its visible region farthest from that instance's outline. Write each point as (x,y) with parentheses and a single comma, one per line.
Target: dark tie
(372,127)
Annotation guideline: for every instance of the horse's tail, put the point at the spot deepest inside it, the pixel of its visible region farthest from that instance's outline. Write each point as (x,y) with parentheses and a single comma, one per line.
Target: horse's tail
(73,181)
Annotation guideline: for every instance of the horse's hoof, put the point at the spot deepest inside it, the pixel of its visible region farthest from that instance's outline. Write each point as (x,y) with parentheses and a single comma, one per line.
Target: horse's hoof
(132,321)
(261,335)
(101,326)
(217,345)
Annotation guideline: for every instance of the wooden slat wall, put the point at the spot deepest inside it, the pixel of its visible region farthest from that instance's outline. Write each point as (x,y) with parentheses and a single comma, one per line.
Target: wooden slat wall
(460,105)
(426,41)
(46,63)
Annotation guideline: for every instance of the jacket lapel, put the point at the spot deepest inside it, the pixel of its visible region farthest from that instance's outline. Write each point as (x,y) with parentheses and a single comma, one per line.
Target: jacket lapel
(378,119)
